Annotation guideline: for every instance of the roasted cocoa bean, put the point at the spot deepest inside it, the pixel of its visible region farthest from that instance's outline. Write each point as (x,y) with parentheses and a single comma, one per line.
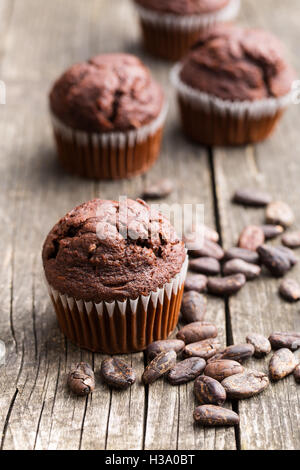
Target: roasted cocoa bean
(252,197)
(116,373)
(207,249)
(272,231)
(290,290)
(239,253)
(246,385)
(164,345)
(291,239)
(226,286)
(289,254)
(210,266)
(279,213)
(159,366)
(282,364)
(159,189)
(289,340)
(81,379)
(211,415)
(193,307)
(216,357)
(211,234)
(197,331)
(251,238)
(205,349)
(186,370)
(223,368)
(262,345)
(195,282)
(297,374)
(200,232)
(274,260)
(236,266)
(237,352)
(209,391)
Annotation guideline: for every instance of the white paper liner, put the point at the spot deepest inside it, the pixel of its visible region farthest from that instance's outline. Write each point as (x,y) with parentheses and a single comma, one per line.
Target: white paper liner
(116,140)
(173,286)
(189,22)
(201,100)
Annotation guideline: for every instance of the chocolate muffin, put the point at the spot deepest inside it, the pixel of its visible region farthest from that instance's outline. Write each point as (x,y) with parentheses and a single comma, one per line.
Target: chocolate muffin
(170,27)
(115,272)
(233,86)
(108,114)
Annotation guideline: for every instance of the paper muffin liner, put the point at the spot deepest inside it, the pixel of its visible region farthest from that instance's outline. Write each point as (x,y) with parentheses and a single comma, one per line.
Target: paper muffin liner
(169,36)
(212,121)
(121,327)
(113,155)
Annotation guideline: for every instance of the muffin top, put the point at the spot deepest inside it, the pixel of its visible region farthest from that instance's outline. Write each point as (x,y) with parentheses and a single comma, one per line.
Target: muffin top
(238,64)
(106,250)
(183,7)
(111,92)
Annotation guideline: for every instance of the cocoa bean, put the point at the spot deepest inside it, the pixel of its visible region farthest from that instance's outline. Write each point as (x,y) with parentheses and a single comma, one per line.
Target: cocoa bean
(236,266)
(262,345)
(205,349)
(227,285)
(290,290)
(274,260)
(239,253)
(186,370)
(200,233)
(159,366)
(289,340)
(116,373)
(245,385)
(209,391)
(291,239)
(195,282)
(81,379)
(282,364)
(211,415)
(207,249)
(237,352)
(272,231)
(289,254)
(252,197)
(164,345)
(297,374)
(197,331)
(193,307)
(210,266)
(223,368)
(279,213)
(251,238)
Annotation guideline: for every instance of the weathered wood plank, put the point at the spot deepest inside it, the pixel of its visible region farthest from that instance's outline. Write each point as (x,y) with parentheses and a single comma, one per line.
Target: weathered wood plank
(271,420)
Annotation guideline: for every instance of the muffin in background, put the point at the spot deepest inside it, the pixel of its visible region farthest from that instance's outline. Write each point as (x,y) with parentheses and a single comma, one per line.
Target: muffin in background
(115,272)
(170,27)
(233,86)
(108,115)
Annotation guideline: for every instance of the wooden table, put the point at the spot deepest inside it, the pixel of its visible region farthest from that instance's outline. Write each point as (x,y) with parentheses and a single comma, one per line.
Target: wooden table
(38,40)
